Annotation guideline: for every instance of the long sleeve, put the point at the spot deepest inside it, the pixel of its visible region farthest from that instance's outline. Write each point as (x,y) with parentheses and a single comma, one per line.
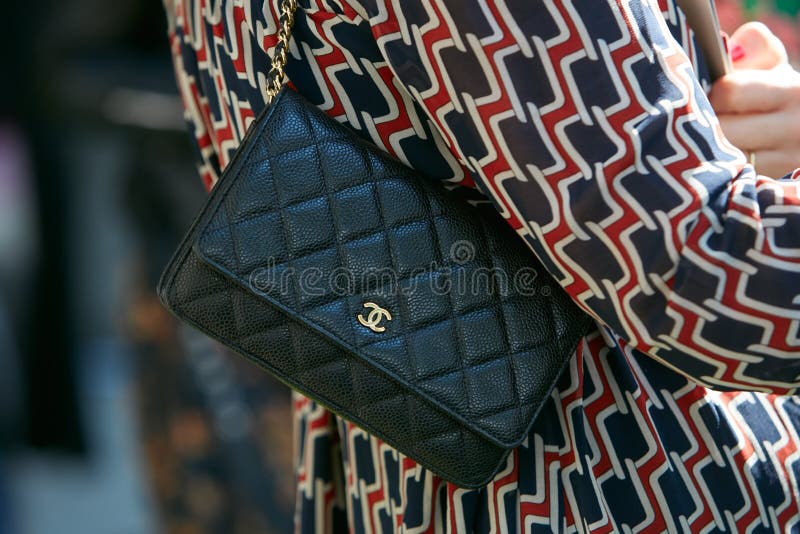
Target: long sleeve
(585,123)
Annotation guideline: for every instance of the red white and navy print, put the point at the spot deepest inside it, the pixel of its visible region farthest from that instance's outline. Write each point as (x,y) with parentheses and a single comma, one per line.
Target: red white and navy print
(585,123)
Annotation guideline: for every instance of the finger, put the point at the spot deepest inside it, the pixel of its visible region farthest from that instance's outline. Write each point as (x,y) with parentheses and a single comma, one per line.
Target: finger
(754,46)
(760,131)
(776,163)
(749,91)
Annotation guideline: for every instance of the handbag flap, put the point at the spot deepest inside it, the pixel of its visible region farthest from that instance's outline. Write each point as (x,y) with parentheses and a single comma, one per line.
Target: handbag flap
(440,296)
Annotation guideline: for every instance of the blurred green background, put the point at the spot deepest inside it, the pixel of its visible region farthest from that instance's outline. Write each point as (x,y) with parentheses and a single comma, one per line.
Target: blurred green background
(780,15)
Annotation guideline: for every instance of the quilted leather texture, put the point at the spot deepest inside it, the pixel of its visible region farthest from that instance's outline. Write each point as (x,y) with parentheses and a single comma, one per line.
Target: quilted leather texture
(310,224)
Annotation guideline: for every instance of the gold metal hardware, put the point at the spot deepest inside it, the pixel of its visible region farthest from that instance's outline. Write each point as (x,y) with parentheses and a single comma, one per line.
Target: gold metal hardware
(278,63)
(374,317)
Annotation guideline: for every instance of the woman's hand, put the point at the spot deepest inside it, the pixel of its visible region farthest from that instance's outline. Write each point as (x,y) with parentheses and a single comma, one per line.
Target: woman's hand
(758,104)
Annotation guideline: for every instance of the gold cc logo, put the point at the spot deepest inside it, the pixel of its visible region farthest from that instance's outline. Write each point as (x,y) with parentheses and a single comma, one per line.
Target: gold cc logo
(374,317)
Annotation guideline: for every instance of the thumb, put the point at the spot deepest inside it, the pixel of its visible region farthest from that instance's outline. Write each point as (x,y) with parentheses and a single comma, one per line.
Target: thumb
(753,46)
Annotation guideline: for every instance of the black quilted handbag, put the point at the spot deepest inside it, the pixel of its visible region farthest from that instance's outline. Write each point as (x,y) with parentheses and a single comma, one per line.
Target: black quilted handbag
(373,290)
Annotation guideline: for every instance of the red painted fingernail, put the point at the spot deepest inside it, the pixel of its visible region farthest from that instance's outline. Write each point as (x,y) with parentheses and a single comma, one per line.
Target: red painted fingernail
(737,52)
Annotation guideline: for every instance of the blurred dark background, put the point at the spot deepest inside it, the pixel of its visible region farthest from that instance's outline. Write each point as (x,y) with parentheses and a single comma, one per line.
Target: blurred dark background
(113,418)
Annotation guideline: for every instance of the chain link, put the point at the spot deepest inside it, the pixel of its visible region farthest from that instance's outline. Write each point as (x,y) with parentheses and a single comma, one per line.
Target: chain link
(280,56)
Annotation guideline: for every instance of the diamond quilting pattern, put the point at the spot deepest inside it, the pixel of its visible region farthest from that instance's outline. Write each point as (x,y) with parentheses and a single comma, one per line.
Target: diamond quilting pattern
(357,227)
(308,226)
(343,383)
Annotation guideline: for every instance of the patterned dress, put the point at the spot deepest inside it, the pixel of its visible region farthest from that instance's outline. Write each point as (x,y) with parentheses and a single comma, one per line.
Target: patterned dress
(584,122)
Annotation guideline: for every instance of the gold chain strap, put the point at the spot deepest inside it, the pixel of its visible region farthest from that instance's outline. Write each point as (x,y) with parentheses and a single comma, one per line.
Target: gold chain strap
(276,73)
